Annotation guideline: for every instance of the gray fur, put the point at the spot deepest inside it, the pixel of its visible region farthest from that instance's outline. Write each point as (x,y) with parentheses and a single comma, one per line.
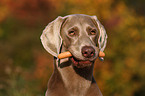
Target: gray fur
(67,79)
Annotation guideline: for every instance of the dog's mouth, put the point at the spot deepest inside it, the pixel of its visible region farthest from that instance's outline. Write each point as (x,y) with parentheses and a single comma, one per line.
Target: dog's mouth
(81,63)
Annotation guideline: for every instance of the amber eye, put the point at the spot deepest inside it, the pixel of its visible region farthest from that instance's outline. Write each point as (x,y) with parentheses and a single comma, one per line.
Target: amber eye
(93,32)
(72,33)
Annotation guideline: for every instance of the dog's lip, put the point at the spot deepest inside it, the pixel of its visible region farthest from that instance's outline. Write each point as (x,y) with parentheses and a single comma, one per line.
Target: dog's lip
(78,61)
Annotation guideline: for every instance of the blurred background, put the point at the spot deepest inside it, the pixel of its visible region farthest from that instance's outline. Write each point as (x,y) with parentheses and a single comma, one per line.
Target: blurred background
(25,66)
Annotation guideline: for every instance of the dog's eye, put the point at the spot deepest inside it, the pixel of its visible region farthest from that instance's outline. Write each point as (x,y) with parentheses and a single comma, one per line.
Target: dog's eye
(93,32)
(72,33)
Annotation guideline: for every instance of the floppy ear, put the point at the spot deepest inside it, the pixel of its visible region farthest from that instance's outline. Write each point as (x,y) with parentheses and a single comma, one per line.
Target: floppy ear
(50,38)
(102,40)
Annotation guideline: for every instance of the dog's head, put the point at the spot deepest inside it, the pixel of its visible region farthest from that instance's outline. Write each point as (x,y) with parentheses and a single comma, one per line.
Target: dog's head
(82,35)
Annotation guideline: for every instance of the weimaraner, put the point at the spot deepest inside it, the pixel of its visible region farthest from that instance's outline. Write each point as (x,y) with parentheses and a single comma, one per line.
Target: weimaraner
(83,36)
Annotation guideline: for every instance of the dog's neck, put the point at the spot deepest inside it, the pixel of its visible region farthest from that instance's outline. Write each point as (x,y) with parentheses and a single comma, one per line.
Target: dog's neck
(76,80)
(67,80)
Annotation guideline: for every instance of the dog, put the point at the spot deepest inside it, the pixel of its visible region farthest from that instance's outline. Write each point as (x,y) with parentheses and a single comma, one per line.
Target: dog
(84,37)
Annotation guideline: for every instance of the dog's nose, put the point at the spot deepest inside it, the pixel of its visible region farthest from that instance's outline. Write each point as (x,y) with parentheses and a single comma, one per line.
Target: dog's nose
(88,51)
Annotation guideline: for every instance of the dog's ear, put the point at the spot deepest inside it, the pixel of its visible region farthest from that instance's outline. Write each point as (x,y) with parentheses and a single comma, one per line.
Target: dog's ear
(50,38)
(102,40)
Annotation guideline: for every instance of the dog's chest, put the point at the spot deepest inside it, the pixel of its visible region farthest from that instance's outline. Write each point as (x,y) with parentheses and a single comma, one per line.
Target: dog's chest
(79,89)
(75,84)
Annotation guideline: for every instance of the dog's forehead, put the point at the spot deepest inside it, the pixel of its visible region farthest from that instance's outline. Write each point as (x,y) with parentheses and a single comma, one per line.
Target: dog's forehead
(80,19)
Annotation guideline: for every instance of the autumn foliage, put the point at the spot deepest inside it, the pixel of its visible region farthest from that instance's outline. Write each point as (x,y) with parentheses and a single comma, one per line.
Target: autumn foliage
(25,66)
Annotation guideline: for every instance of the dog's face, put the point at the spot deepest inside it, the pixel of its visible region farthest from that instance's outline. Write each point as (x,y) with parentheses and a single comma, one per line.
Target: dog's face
(80,36)
(84,36)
